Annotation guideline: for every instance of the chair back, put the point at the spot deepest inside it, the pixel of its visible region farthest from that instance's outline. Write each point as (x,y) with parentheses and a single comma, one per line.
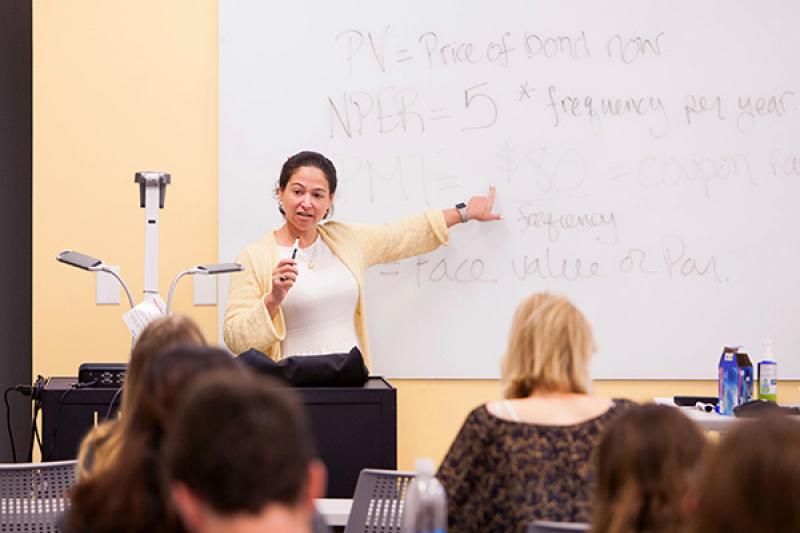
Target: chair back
(378,501)
(542,526)
(33,496)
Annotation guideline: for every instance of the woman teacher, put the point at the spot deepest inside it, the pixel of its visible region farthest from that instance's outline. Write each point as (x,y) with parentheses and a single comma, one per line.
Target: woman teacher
(302,288)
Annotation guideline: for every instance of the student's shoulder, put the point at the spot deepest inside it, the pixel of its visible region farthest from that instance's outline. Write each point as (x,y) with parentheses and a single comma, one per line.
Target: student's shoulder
(478,417)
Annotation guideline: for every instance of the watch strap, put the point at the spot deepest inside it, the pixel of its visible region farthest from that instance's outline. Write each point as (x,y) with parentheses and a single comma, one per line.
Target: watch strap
(462,212)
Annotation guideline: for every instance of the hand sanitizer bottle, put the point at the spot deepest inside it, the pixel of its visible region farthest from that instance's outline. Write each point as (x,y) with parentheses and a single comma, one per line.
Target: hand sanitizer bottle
(768,375)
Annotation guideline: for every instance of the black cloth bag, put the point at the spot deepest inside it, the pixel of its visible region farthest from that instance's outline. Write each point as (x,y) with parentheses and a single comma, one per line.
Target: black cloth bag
(330,370)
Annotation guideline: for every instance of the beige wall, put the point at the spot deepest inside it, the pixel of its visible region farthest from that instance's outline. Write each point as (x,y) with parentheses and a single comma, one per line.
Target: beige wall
(119,87)
(122,86)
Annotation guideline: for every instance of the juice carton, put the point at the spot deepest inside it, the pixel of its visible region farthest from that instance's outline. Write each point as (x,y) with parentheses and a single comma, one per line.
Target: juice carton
(728,380)
(745,383)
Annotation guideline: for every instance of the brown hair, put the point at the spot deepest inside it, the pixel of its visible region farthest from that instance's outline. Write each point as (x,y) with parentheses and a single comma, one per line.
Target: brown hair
(645,463)
(100,448)
(549,348)
(752,480)
(254,444)
(127,496)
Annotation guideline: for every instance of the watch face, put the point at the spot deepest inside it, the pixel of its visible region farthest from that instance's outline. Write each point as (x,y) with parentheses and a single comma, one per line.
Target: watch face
(461,205)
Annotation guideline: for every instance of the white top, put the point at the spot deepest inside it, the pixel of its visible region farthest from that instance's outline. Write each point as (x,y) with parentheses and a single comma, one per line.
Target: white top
(319,310)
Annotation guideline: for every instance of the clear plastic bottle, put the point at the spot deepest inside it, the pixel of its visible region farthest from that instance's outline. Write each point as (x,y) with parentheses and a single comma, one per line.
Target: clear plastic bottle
(768,375)
(426,502)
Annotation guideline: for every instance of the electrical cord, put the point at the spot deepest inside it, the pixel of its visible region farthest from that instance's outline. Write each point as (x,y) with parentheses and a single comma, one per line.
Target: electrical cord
(60,404)
(8,423)
(39,440)
(36,395)
(35,392)
(111,403)
(37,407)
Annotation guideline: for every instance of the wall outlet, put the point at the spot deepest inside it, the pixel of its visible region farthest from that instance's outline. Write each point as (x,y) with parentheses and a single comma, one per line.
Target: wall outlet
(204,289)
(107,288)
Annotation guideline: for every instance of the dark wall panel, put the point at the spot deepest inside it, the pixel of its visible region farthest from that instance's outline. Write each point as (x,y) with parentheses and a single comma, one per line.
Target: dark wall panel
(16,179)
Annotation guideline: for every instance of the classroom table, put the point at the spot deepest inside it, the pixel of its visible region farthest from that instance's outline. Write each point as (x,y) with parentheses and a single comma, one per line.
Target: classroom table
(335,511)
(706,421)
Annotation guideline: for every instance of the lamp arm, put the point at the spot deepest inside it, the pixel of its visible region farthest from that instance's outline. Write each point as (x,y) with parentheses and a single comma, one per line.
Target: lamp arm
(121,282)
(174,284)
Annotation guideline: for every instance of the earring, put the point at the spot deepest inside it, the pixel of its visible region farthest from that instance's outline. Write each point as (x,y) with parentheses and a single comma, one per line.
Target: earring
(280,208)
(328,213)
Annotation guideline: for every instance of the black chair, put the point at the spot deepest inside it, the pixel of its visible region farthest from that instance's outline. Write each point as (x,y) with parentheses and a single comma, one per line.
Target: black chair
(33,496)
(378,502)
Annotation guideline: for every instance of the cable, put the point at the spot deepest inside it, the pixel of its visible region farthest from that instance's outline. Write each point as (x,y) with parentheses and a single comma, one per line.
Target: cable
(60,404)
(37,407)
(37,392)
(8,423)
(58,420)
(111,403)
(39,441)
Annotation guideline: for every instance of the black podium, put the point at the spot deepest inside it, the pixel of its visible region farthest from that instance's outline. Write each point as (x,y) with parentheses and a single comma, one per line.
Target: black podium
(354,427)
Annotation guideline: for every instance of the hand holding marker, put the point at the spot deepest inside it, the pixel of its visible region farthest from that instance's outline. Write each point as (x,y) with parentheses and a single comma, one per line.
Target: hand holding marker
(295,246)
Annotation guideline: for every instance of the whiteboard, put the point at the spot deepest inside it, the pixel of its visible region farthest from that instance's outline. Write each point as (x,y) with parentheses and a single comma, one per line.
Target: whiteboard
(646,156)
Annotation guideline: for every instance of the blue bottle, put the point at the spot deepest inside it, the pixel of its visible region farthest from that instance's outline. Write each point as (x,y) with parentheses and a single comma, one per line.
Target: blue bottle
(728,380)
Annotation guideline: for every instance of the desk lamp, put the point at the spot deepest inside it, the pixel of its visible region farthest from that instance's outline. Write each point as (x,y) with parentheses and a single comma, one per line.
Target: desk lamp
(213,269)
(152,190)
(92,264)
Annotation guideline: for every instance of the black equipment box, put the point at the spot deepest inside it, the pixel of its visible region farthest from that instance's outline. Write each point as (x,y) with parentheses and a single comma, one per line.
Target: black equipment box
(354,427)
(102,374)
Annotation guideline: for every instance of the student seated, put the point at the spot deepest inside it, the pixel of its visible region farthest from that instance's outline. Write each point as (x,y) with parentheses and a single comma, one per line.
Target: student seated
(100,447)
(646,463)
(529,457)
(127,496)
(257,467)
(751,482)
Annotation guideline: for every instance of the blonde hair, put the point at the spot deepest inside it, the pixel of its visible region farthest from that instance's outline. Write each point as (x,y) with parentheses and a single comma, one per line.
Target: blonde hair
(100,447)
(549,348)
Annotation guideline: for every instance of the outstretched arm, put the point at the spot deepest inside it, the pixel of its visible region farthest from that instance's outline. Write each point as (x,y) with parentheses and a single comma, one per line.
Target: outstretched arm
(477,208)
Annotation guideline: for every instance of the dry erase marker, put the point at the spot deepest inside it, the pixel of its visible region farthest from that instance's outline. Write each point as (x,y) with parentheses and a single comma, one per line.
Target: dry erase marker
(294,248)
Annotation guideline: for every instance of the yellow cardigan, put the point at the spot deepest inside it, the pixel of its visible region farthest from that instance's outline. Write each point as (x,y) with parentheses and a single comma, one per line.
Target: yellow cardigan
(247,322)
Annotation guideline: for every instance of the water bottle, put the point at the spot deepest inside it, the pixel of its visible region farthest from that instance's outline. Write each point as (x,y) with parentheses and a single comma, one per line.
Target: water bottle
(426,502)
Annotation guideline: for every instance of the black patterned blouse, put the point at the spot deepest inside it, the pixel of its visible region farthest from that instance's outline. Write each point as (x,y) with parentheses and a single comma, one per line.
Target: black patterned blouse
(501,475)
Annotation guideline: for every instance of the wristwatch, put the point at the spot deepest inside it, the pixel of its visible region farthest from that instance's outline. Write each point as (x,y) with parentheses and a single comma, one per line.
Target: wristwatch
(462,212)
